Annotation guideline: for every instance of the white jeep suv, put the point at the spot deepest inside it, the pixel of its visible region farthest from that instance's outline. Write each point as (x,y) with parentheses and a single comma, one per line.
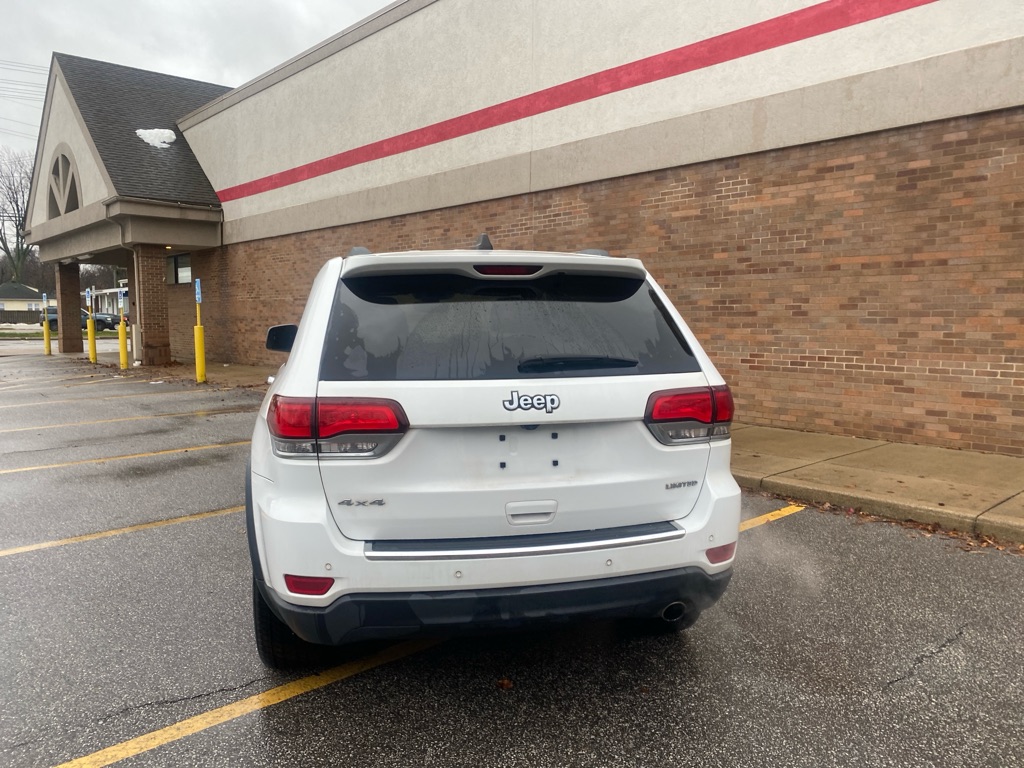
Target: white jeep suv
(484,439)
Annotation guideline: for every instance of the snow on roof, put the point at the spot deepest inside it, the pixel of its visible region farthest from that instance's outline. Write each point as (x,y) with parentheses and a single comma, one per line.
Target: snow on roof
(160,138)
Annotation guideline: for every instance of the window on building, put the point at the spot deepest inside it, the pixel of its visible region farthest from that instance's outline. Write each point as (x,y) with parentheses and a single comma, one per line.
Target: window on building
(179,269)
(63,187)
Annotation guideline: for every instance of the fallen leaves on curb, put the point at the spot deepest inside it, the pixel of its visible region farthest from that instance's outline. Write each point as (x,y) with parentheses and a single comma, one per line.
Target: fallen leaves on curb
(966,542)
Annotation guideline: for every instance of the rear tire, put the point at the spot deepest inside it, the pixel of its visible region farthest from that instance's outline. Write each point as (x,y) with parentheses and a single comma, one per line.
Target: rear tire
(278,646)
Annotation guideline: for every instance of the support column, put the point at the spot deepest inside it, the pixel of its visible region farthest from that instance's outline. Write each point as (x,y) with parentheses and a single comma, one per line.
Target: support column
(134,314)
(69,308)
(151,305)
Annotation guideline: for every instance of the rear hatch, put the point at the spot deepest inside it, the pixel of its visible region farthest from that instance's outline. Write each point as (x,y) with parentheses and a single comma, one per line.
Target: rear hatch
(517,392)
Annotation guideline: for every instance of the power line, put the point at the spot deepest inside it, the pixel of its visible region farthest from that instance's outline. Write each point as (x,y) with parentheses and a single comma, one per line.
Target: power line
(19,134)
(20,66)
(24,93)
(11,93)
(21,103)
(22,86)
(24,83)
(19,122)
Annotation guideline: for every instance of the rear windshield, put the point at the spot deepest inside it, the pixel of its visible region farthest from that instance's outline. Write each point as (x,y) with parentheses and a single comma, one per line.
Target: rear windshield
(452,327)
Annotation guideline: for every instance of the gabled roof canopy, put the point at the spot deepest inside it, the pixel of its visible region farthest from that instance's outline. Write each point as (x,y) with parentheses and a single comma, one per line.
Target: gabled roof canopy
(115,101)
(100,188)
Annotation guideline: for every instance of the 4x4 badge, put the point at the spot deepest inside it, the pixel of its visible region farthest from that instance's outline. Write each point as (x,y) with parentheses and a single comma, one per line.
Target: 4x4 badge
(519,402)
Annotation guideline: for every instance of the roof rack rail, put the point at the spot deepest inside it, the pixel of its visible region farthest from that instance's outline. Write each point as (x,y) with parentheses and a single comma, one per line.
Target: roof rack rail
(359,251)
(594,252)
(483,243)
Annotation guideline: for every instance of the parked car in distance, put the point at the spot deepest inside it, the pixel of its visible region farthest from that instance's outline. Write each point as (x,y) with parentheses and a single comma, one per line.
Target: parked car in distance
(104,321)
(485,439)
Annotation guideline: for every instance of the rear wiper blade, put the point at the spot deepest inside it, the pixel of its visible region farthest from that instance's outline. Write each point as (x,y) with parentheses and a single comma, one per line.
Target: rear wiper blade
(574,363)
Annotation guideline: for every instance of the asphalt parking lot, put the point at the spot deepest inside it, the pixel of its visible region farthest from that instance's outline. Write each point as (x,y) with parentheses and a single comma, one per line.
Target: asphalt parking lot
(126,628)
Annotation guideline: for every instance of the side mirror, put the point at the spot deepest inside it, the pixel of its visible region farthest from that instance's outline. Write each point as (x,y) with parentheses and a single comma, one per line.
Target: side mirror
(281,337)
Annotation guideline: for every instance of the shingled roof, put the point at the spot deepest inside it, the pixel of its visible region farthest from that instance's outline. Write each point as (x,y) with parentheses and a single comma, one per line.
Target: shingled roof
(17,291)
(115,101)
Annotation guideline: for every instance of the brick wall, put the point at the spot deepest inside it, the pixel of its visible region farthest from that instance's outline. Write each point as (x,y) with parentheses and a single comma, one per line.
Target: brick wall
(69,308)
(870,286)
(152,304)
(209,268)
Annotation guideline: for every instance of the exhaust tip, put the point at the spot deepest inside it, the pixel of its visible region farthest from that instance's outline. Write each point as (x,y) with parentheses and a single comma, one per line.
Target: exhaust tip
(673,612)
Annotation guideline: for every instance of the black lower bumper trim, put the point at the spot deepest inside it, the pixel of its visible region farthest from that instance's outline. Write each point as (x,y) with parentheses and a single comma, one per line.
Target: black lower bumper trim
(401,614)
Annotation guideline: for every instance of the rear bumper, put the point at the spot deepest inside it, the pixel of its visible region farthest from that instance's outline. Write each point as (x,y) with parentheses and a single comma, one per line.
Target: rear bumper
(355,617)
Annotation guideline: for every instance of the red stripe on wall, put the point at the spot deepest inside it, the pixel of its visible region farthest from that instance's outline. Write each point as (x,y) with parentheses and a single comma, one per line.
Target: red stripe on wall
(783,30)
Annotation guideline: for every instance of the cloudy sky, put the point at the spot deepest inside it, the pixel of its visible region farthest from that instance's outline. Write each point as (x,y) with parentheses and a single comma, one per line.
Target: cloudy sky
(228,42)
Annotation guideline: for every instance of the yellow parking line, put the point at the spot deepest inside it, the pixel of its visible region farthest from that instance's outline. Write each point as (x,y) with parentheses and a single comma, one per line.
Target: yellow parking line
(211,412)
(49,381)
(161,393)
(58,378)
(179,730)
(60,383)
(21,385)
(117,531)
(122,458)
(106,380)
(753,522)
(228,712)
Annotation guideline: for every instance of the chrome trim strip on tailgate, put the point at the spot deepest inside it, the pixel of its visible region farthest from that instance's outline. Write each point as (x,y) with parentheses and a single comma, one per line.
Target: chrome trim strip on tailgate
(527,544)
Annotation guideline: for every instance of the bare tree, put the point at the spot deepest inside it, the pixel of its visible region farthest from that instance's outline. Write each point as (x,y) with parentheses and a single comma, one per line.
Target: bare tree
(99,276)
(15,180)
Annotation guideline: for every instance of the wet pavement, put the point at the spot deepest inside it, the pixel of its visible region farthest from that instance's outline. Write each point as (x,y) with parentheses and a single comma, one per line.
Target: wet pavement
(126,624)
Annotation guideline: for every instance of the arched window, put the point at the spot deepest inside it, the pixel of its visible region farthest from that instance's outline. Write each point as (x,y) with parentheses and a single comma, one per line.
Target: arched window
(63,197)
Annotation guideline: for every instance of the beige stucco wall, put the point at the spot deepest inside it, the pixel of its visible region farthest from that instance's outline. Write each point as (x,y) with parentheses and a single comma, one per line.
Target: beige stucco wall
(64,127)
(451,57)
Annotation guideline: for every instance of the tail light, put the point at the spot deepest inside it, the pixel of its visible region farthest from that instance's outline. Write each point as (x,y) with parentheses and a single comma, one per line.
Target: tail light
(291,417)
(355,428)
(698,414)
(507,270)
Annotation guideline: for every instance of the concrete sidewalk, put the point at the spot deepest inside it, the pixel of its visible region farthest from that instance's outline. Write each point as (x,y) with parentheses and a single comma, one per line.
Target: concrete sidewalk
(974,493)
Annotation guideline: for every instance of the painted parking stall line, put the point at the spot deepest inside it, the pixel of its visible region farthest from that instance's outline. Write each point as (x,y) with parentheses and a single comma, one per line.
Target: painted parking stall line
(769,517)
(106,380)
(220,715)
(125,457)
(53,385)
(281,693)
(154,393)
(174,415)
(60,383)
(118,531)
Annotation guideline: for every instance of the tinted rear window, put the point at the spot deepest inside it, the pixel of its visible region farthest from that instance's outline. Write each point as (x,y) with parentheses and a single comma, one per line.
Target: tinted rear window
(452,327)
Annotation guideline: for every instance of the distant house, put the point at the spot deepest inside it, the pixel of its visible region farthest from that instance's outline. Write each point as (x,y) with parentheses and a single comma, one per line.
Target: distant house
(15,297)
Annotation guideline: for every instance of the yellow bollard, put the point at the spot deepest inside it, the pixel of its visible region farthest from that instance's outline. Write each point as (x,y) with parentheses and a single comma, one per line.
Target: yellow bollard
(90,327)
(200,341)
(122,343)
(46,334)
(200,355)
